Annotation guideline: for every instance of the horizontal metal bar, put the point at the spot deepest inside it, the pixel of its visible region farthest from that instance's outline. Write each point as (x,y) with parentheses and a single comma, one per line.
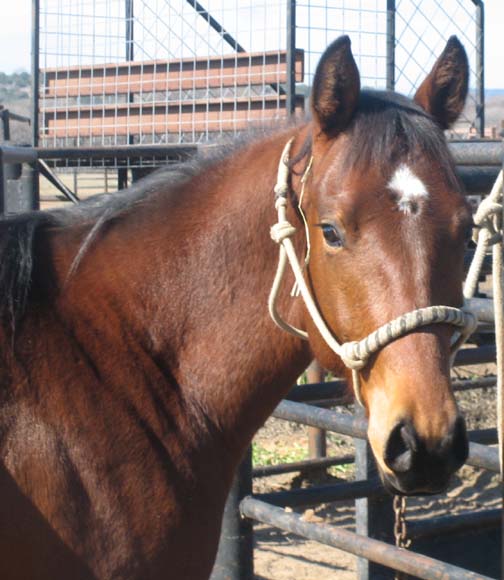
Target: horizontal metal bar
(477,178)
(11,154)
(398,558)
(483,308)
(479,455)
(338,393)
(321,418)
(484,457)
(117,152)
(483,436)
(318,391)
(15,116)
(477,152)
(324,493)
(465,153)
(459,523)
(470,384)
(475,356)
(306,465)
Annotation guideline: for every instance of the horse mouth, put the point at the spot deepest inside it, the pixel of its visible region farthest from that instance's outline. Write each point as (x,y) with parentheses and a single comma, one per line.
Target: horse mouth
(394,486)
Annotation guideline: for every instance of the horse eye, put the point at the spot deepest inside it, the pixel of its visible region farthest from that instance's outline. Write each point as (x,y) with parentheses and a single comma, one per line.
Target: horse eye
(332,236)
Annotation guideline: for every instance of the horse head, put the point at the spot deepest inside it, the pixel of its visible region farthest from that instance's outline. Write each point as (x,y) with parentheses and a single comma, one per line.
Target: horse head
(387,225)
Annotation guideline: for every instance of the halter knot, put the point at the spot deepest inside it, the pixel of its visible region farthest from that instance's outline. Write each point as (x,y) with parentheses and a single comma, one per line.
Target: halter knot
(351,357)
(281,230)
(281,190)
(484,219)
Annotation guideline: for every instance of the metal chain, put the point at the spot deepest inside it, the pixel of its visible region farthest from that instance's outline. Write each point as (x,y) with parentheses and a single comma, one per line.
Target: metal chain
(400,531)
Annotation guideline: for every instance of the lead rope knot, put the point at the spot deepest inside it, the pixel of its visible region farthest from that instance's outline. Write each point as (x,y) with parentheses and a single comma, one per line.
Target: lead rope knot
(484,220)
(349,354)
(281,230)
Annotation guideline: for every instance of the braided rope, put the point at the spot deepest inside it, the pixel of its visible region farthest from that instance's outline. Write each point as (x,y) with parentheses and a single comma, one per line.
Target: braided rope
(354,354)
(486,234)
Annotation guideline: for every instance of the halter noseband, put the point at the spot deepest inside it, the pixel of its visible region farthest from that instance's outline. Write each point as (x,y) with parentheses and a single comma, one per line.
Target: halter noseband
(354,354)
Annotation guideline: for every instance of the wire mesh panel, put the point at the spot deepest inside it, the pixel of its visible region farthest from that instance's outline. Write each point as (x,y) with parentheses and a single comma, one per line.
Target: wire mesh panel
(319,22)
(422,29)
(157,71)
(179,73)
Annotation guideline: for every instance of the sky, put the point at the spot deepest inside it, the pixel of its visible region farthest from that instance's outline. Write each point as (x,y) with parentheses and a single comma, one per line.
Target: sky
(15,39)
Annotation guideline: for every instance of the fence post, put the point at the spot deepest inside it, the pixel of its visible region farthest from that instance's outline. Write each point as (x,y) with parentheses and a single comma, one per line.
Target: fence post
(35,72)
(374,517)
(480,67)
(235,556)
(291,57)
(317,441)
(391,13)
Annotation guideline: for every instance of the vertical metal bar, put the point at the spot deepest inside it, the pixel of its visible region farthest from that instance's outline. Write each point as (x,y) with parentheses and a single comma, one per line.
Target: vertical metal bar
(317,441)
(122,178)
(498,296)
(291,57)
(480,67)
(6,124)
(130,31)
(374,517)
(35,74)
(390,74)
(235,556)
(35,71)
(130,54)
(3,184)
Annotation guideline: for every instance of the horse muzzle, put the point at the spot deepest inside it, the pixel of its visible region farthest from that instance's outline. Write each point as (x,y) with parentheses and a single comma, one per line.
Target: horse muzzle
(421,468)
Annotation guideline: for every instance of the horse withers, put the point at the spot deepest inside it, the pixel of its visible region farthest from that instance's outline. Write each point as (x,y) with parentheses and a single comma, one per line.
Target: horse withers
(138,356)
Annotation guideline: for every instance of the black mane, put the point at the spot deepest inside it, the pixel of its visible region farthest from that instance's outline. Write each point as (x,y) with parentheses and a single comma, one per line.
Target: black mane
(388,127)
(19,233)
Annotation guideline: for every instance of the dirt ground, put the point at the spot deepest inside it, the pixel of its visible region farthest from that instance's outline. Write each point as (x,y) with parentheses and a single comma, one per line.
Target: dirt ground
(282,556)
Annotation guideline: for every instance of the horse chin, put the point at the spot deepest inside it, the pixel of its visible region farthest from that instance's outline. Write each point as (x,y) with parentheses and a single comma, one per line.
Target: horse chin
(394,486)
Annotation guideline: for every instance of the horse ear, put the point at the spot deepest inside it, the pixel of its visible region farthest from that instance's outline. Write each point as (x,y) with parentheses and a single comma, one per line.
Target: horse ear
(336,87)
(444,91)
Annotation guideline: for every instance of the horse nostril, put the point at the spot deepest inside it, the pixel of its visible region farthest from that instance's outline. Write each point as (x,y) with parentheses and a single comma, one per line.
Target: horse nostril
(401,445)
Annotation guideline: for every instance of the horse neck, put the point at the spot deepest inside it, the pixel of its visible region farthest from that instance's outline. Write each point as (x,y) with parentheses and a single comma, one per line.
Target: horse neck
(234,360)
(194,287)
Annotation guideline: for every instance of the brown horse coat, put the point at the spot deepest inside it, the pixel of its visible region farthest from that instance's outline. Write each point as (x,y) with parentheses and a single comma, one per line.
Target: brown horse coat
(138,358)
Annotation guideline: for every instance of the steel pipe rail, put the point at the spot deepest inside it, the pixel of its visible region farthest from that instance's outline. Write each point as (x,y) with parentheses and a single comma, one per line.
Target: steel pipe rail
(477,179)
(319,391)
(465,153)
(479,455)
(477,152)
(324,493)
(338,393)
(305,465)
(455,524)
(374,550)
(475,356)
(483,308)
(469,384)
(322,418)
(12,154)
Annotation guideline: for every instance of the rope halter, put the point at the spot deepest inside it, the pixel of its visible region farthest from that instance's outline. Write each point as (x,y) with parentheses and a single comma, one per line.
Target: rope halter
(354,354)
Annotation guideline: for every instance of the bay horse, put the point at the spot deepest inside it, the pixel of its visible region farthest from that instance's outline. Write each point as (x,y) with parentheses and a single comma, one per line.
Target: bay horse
(138,357)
